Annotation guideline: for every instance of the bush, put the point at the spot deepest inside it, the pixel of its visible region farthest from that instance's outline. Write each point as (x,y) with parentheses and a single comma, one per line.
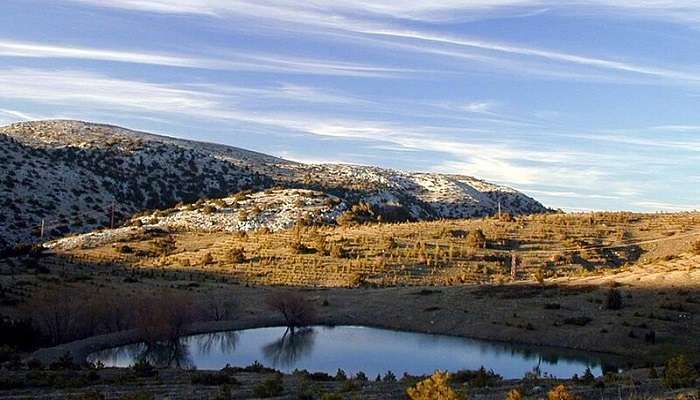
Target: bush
(561,393)
(298,247)
(479,378)
(337,251)
(207,259)
(389,377)
(271,387)
(436,387)
(143,369)
(678,373)
(515,394)
(20,334)
(331,396)
(236,255)
(613,300)
(476,239)
(578,321)
(213,379)
(164,246)
(695,248)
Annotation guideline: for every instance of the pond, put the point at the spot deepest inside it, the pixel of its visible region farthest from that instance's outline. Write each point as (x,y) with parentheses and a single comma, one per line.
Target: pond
(355,348)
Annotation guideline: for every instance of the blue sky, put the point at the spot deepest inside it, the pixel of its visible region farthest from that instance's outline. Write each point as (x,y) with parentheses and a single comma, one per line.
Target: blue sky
(583,104)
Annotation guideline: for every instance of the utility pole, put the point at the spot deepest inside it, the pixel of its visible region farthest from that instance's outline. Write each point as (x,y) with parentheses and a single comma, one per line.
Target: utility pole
(111,224)
(499,209)
(41,234)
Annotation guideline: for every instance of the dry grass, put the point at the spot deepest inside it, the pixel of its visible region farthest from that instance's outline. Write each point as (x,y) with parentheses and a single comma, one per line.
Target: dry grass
(421,253)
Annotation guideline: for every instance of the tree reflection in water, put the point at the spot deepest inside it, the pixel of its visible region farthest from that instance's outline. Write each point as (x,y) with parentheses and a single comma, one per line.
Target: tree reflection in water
(292,346)
(221,342)
(171,354)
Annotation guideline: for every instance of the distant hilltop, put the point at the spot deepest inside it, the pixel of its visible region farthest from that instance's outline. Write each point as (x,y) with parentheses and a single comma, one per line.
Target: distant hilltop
(78,176)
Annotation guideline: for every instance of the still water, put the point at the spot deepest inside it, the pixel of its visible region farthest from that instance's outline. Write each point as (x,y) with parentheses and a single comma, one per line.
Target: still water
(354,348)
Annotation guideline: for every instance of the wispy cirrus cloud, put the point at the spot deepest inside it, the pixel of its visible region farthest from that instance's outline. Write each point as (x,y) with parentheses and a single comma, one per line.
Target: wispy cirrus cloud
(679,11)
(241,62)
(367,21)
(84,91)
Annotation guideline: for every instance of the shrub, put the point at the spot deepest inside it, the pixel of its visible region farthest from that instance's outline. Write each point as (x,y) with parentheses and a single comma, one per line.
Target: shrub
(298,247)
(357,279)
(678,373)
(337,251)
(389,377)
(350,386)
(478,378)
(164,246)
(207,259)
(341,375)
(297,312)
(515,394)
(561,393)
(476,239)
(20,334)
(613,299)
(436,387)
(578,321)
(331,396)
(588,377)
(213,379)
(696,248)
(236,255)
(270,387)
(143,369)
(390,243)
(124,249)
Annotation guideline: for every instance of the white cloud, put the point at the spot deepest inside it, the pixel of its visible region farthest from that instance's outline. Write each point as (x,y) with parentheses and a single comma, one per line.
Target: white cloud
(479,107)
(360,20)
(240,62)
(503,161)
(539,53)
(18,115)
(682,11)
(665,206)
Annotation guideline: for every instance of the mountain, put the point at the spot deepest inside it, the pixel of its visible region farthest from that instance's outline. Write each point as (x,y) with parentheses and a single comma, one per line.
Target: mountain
(78,176)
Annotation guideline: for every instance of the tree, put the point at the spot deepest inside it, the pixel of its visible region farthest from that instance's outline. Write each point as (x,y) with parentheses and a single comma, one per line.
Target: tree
(436,387)
(297,312)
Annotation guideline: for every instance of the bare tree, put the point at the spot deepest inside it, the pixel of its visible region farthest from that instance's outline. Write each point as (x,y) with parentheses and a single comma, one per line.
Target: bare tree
(295,309)
(164,316)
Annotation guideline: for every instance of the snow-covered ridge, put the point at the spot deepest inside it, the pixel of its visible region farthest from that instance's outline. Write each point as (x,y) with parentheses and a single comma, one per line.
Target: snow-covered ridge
(74,174)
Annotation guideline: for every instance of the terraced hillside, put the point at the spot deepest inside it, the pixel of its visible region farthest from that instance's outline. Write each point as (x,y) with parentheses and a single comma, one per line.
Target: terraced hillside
(78,176)
(453,252)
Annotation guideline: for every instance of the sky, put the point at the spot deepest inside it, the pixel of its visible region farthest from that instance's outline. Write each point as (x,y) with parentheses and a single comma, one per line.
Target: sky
(582,104)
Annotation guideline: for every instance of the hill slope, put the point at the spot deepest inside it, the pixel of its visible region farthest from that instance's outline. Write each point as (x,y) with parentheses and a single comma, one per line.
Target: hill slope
(74,175)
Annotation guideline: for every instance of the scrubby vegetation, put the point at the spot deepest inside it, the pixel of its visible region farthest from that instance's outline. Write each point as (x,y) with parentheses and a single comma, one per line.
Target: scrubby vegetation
(494,250)
(436,387)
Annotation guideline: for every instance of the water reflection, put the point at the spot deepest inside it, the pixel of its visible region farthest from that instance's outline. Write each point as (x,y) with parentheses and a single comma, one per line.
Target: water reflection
(222,342)
(172,354)
(290,348)
(354,349)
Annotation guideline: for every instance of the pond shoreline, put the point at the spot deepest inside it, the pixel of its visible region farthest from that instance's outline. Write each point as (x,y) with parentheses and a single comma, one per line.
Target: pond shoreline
(81,349)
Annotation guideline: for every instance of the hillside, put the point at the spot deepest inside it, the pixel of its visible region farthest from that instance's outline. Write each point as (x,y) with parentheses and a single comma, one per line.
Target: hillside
(79,176)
